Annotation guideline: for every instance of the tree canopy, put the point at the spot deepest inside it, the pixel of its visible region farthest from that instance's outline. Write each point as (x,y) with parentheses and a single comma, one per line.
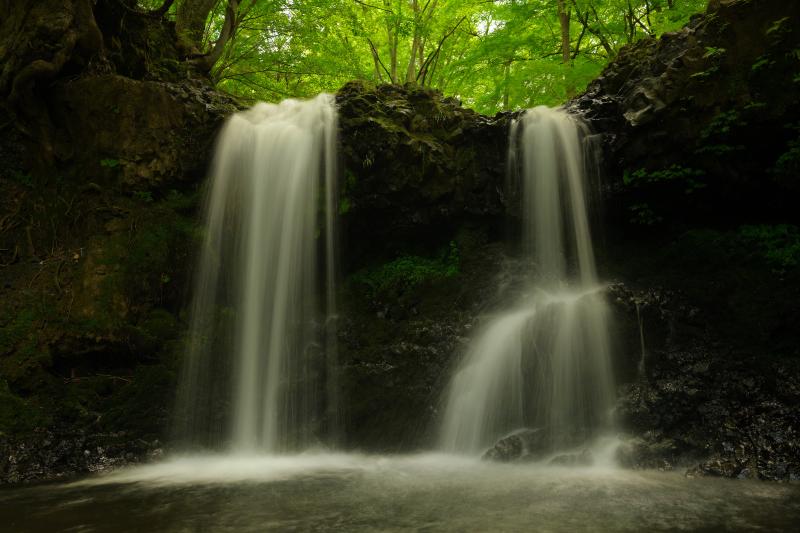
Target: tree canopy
(492,54)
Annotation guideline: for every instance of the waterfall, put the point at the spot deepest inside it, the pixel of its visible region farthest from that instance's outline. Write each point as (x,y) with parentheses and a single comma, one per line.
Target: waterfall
(258,375)
(545,363)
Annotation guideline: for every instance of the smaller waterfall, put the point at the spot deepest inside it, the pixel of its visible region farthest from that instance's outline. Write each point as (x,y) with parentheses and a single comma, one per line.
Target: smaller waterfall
(257,376)
(546,362)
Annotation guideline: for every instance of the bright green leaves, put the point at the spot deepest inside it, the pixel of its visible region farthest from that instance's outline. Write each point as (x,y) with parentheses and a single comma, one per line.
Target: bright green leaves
(493,55)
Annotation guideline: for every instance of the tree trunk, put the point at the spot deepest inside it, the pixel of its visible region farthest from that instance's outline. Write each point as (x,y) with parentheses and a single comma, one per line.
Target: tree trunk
(190,24)
(411,69)
(563,19)
(38,39)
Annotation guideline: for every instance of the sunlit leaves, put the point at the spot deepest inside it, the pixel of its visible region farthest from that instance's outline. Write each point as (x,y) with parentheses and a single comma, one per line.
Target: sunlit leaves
(493,55)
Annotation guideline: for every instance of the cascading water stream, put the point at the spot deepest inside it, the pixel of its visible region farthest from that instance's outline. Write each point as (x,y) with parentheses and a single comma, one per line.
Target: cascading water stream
(257,375)
(545,363)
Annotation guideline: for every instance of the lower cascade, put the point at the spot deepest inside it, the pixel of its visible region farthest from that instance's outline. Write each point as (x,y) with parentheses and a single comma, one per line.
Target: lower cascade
(258,376)
(544,364)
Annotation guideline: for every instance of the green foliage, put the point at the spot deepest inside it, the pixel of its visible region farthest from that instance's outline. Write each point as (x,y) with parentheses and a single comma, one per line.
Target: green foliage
(15,329)
(721,128)
(143,196)
(705,74)
(788,164)
(495,55)
(23,178)
(722,124)
(344,205)
(109,163)
(778,244)
(16,415)
(643,215)
(780,27)
(142,404)
(714,52)
(687,177)
(349,184)
(409,271)
(760,63)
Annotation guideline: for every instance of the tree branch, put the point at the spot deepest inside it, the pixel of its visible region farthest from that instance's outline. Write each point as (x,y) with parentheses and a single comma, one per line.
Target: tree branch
(423,70)
(377,58)
(373,7)
(208,60)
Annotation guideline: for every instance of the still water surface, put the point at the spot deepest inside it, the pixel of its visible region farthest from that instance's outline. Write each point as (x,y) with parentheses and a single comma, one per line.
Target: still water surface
(413,493)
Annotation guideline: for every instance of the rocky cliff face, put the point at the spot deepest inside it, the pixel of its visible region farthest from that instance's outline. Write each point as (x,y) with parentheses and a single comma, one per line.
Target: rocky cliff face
(98,224)
(105,138)
(701,151)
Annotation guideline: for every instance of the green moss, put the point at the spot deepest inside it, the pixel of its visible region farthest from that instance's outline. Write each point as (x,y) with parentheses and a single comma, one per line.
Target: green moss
(409,271)
(144,264)
(344,205)
(16,415)
(15,329)
(143,403)
(160,324)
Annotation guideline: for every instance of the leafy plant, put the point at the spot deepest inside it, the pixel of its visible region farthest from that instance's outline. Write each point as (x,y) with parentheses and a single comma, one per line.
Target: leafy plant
(344,205)
(23,178)
(143,196)
(409,271)
(675,173)
(109,163)
(788,164)
(722,124)
(713,52)
(719,130)
(643,215)
(779,244)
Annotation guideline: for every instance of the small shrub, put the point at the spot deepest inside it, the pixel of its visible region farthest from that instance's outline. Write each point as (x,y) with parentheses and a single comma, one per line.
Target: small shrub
(779,244)
(675,173)
(408,271)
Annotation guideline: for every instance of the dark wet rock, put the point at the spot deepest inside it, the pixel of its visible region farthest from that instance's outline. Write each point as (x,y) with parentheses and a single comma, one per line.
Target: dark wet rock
(650,451)
(139,135)
(48,455)
(418,167)
(695,122)
(398,348)
(522,445)
(582,458)
(699,401)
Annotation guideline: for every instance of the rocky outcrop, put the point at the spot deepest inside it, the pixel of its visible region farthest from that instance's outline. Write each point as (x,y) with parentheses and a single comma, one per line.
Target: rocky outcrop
(138,135)
(698,401)
(700,142)
(49,456)
(700,124)
(522,445)
(418,167)
(105,135)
